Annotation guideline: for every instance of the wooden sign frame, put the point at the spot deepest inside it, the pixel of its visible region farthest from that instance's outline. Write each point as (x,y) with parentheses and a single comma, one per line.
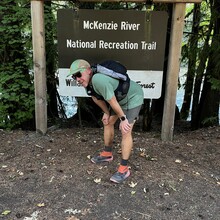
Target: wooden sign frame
(39,56)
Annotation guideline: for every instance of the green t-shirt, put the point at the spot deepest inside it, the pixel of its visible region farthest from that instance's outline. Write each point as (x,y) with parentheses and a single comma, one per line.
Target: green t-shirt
(105,86)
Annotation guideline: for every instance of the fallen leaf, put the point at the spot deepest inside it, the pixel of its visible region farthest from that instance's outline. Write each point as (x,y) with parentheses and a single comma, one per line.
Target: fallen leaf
(72,211)
(20,172)
(142,154)
(133,192)
(146,190)
(148,157)
(119,151)
(40,204)
(51,179)
(6,212)
(38,146)
(89,172)
(153,159)
(196,173)
(97,180)
(85,211)
(132,184)
(72,218)
(34,215)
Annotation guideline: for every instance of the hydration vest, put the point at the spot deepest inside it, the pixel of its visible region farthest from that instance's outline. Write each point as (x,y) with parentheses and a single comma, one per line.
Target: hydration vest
(115,70)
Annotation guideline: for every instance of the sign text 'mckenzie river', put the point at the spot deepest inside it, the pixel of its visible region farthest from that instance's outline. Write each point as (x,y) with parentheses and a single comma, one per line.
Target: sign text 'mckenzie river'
(124,25)
(135,38)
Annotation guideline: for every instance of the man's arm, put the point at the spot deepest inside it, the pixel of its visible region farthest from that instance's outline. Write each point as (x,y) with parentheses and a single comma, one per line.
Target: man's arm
(116,107)
(124,125)
(101,104)
(105,109)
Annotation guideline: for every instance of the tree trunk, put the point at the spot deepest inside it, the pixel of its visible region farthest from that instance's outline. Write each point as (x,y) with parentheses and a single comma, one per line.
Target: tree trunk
(210,97)
(157,104)
(147,116)
(192,55)
(198,79)
(51,60)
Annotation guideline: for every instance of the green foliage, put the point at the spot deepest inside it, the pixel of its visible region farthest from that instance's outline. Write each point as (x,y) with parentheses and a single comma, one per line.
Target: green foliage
(16,87)
(17,100)
(210,121)
(110,5)
(201,54)
(215,83)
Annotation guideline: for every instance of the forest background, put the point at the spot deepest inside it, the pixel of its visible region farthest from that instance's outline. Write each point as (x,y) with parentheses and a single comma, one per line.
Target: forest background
(200,59)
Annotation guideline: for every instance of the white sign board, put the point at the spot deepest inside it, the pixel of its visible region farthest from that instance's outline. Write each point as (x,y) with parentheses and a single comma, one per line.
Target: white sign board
(150,82)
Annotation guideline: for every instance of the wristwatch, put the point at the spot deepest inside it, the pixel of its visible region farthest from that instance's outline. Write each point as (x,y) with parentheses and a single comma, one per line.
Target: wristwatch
(123,118)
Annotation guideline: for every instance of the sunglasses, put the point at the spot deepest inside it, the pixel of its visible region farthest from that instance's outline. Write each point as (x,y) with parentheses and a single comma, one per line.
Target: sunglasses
(77,75)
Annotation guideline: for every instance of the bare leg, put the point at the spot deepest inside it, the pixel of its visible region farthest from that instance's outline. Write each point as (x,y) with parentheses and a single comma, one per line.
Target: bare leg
(127,144)
(106,154)
(109,131)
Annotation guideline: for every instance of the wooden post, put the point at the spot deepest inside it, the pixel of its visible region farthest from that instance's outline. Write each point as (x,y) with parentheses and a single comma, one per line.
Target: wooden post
(39,56)
(173,71)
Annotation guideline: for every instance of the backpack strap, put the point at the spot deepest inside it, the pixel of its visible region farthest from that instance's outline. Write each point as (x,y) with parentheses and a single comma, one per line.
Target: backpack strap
(120,92)
(112,73)
(91,92)
(123,78)
(122,89)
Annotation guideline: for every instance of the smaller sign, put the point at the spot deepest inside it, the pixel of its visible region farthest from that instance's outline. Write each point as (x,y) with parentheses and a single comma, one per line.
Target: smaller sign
(150,81)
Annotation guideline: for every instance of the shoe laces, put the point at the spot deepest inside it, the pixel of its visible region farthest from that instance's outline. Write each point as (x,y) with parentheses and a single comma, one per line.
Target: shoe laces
(106,154)
(122,169)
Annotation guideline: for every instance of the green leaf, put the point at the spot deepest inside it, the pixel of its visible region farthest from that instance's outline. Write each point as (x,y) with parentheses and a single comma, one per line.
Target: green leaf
(6,212)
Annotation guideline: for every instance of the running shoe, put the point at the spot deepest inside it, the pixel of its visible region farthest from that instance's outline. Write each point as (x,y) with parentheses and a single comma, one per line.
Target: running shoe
(99,158)
(119,177)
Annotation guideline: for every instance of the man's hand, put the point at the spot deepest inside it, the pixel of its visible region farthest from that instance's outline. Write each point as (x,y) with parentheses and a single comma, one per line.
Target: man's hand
(105,119)
(124,126)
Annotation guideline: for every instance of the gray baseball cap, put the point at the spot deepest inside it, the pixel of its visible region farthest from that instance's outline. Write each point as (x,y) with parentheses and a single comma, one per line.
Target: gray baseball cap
(78,66)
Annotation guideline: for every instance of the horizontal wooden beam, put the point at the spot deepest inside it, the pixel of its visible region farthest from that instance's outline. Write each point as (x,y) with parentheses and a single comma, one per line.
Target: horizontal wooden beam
(137,1)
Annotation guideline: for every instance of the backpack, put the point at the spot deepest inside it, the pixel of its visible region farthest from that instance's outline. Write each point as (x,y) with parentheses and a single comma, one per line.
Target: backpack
(115,70)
